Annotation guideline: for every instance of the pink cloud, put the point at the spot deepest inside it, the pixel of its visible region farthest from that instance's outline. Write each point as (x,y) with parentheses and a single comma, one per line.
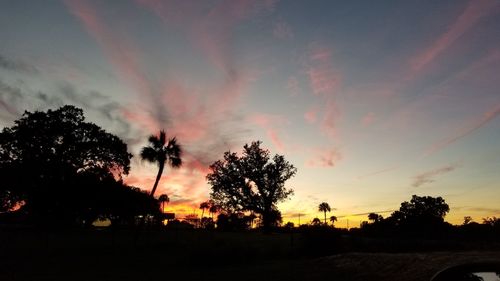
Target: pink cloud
(292,86)
(325,81)
(474,11)
(201,124)
(324,158)
(493,56)
(282,30)
(271,123)
(140,117)
(368,119)
(212,31)
(428,177)
(311,115)
(121,53)
(487,117)
(330,117)
(276,140)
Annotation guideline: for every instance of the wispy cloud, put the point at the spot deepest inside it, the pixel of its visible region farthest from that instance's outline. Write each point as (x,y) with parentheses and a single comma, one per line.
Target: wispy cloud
(121,53)
(292,85)
(10,98)
(368,119)
(204,119)
(212,30)
(17,65)
(474,11)
(325,81)
(271,124)
(324,158)
(282,30)
(311,115)
(386,170)
(484,210)
(429,176)
(485,119)
(324,78)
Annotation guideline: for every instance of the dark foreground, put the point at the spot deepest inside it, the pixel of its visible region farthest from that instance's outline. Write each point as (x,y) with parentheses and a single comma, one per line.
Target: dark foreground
(194,255)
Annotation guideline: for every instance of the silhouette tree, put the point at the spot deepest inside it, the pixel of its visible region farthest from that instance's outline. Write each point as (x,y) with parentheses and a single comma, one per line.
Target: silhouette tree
(192,219)
(421,211)
(467,220)
(493,221)
(214,208)
(316,221)
(251,182)
(163,199)
(233,221)
(373,217)
(204,206)
(207,223)
(45,156)
(324,207)
(333,219)
(161,151)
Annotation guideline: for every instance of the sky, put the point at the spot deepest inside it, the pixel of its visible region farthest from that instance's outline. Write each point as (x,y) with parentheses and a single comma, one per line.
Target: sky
(372,101)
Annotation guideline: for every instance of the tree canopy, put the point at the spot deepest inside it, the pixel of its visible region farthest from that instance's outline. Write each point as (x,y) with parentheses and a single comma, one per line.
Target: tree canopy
(252,181)
(161,151)
(324,207)
(422,208)
(46,156)
(421,213)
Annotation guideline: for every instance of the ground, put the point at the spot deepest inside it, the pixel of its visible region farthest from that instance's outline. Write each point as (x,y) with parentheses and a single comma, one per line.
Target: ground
(191,255)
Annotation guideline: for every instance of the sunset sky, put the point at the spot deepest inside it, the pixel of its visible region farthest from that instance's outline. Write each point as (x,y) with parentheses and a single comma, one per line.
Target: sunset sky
(372,101)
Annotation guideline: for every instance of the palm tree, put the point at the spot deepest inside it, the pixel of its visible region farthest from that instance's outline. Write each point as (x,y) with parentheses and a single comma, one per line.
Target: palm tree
(324,207)
(315,221)
(161,151)
(163,199)
(333,219)
(204,206)
(214,208)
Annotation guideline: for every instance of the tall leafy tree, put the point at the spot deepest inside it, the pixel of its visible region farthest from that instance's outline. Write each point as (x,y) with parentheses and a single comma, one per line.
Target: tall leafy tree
(252,181)
(44,156)
(420,211)
(324,207)
(161,152)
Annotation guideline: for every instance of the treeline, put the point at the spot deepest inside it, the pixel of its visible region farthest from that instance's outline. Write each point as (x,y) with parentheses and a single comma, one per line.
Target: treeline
(59,170)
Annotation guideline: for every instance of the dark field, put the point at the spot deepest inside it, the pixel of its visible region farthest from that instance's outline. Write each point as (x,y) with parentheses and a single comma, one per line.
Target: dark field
(28,254)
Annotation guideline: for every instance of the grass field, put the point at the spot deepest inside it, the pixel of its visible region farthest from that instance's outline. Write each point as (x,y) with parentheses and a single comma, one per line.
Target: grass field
(27,254)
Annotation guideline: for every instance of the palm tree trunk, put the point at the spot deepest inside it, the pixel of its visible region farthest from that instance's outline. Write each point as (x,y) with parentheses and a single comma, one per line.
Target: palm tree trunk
(152,194)
(325,216)
(158,177)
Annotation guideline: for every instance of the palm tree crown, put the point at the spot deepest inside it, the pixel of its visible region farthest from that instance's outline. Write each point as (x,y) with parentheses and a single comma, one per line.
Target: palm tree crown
(315,221)
(161,151)
(333,219)
(324,207)
(204,206)
(163,199)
